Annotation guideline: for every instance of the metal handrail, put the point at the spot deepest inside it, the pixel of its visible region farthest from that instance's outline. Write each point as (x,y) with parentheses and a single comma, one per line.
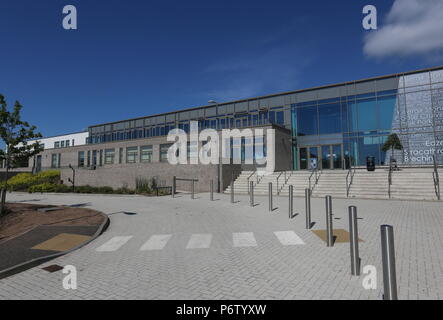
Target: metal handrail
(278,192)
(317,176)
(250,178)
(350,177)
(390,179)
(287,178)
(436,179)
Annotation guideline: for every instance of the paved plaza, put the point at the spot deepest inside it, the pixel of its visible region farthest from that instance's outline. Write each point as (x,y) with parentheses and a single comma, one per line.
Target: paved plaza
(197,249)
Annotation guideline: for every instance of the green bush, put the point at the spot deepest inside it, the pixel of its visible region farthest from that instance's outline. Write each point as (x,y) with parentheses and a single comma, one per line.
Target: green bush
(49,187)
(23,181)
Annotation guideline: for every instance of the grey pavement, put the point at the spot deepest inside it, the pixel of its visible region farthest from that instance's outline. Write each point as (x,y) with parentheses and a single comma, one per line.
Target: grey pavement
(197,249)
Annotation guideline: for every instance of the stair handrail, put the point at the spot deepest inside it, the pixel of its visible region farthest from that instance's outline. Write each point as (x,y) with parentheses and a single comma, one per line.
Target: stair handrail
(317,176)
(350,178)
(289,176)
(390,179)
(250,178)
(436,178)
(278,177)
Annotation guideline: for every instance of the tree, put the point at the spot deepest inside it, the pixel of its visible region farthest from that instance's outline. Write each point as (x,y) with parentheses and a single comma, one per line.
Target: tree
(393,142)
(15,133)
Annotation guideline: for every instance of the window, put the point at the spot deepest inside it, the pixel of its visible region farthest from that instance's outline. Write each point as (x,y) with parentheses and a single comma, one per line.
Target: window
(131,154)
(101,158)
(192,150)
(72,142)
(94,157)
(109,156)
(164,152)
(280,118)
(56,144)
(367,115)
(81,158)
(120,155)
(329,118)
(62,144)
(146,154)
(54,160)
(89,158)
(307,121)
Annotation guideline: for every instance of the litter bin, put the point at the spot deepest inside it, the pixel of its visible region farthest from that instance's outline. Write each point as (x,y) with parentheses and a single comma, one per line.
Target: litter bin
(370,163)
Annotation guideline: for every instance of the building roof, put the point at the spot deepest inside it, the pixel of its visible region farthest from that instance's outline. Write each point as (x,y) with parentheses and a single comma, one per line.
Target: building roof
(276,95)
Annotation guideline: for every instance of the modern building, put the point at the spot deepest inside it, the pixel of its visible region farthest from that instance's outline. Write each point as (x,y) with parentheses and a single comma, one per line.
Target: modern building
(328,127)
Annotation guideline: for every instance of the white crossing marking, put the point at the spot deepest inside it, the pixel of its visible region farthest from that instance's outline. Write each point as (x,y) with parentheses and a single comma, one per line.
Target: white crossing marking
(244,239)
(288,238)
(199,241)
(156,242)
(114,243)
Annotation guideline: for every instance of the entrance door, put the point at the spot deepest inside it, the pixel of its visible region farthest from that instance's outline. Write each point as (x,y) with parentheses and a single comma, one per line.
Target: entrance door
(337,157)
(324,157)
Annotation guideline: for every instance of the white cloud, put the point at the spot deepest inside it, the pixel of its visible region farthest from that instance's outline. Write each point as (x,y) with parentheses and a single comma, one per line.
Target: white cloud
(412,28)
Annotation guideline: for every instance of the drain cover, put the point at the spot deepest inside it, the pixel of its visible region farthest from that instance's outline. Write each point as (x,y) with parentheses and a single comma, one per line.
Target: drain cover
(53,268)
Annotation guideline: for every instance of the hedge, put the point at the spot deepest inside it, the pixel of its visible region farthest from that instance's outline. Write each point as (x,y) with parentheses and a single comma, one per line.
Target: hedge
(23,181)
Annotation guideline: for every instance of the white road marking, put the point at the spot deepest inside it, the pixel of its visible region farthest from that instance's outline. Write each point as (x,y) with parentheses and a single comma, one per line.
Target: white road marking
(244,239)
(156,242)
(199,241)
(113,244)
(288,238)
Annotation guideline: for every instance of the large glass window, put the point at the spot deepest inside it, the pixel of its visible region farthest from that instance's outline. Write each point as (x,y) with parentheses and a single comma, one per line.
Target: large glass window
(386,107)
(280,118)
(307,121)
(329,118)
(81,158)
(367,115)
(146,154)
(164,152)
(109,156)
(54,160)
(131,154)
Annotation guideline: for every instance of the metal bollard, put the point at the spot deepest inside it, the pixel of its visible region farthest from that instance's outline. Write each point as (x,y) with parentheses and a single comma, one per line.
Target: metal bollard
(353,235)
(388,258)
(291,200)
(232,191)
(270,196)
(192,190)
(211,187)
(329,228)
(308,208)
(173,186)
(251,194)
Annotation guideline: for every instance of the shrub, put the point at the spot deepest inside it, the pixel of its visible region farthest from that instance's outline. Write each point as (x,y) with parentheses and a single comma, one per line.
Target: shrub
(43,187)
(23,181)
(124,190)
(142,185)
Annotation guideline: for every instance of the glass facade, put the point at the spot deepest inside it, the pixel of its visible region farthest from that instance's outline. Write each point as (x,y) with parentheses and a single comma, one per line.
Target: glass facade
(409,105)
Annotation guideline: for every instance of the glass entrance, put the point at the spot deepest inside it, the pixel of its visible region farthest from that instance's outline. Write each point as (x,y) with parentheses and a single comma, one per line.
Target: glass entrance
(337,158)
(324,157)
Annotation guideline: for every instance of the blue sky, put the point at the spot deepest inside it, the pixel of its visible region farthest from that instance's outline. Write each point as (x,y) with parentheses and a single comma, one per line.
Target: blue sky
(135,57)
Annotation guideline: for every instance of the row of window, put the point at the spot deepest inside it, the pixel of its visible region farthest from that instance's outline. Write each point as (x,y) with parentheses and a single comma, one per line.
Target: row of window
(218,123)
(242,148)
(63,144)
(108,156)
